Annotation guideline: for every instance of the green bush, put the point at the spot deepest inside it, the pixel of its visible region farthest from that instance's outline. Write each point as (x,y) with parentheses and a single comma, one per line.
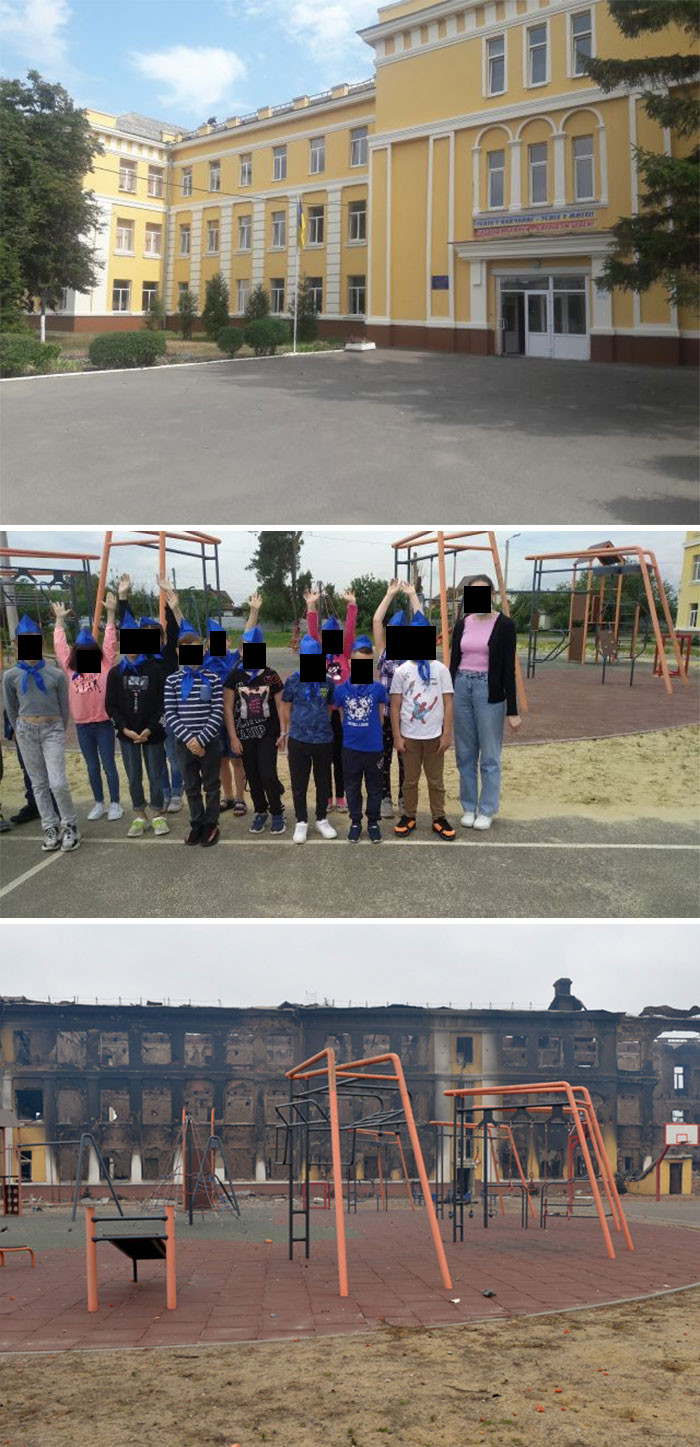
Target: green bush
(155,316)
(265,335)
(187,307)
(21,355)
(230,340)
(127,349)
(258,304)
(216,304)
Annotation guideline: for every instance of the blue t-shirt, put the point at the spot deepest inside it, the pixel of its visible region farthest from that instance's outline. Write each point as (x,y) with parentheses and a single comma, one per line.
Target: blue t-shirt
(310,722)
(362,727)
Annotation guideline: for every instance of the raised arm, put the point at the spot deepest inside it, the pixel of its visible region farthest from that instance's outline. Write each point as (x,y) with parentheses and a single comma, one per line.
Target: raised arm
(254,606)
(378,620)
(311,600)
(350,620)
(61,646)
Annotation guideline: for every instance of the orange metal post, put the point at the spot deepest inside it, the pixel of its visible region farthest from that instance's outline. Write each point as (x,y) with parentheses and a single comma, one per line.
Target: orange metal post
(618,602)
(443,599)
(337,1174)
(663,661)
(669,620)
(170,1280)
(405,1172)
(584,1091)
(101,583)
(586,614)
(91,1258)
(161,574)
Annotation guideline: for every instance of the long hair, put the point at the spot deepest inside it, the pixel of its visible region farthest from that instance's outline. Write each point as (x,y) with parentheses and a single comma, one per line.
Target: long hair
(477,578)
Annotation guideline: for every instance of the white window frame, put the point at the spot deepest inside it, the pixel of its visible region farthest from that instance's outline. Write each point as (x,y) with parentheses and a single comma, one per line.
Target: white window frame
(241,304)
(314,290)
(679,1080)
(537,165)
(187,181)
(357,210)
(152,288)
(279,228)
(182,287)
(583,195)
(571,71)
(215,174)
(486,64)
(128,173)
(245,229)
(696,570)
(527,29)
(155,179)
(185,236)
(212,250)
(276,290)
(359,146)
(495,171)
(127,228)
(246,169)
(154,232)
(317,152)
(354,286)
(279,163)
(315,224)
(124,288)
(693,616)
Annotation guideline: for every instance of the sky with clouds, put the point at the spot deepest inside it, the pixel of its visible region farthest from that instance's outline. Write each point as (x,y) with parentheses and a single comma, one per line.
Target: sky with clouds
(614,964)
(336,555)
(184,60)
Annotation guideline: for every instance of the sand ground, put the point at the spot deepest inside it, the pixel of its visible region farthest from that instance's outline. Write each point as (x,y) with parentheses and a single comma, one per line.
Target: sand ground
(652,775)
(614,1377)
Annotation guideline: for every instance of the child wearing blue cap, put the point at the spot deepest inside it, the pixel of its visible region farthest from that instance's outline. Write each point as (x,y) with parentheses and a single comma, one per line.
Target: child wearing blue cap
(231,764)
(421,717)
(251,711)
(172,778)
(362,706)
(338,666)
(194,711)
(386,668)
(35,696)
(86,695)
(305,711)
(134,702)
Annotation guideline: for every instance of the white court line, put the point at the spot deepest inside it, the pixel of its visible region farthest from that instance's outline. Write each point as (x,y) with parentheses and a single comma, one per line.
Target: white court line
(396,843)
(14,883)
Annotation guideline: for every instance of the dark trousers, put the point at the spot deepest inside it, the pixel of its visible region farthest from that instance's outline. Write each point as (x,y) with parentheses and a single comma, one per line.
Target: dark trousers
(134,757)
(260,764)
(338,751)
(302,759)
(388,735)
(360,766)
(201,776)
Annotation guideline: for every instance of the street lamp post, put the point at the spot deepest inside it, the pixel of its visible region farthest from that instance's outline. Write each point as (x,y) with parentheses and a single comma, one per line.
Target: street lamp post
(509,540)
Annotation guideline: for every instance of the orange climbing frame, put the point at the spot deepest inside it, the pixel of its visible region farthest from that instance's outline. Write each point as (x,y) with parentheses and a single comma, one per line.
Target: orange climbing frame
(145,538)
(324,1064)
(583,1115)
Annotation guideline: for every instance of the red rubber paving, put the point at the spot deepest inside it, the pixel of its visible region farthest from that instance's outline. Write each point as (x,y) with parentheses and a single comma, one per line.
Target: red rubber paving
(231,1292)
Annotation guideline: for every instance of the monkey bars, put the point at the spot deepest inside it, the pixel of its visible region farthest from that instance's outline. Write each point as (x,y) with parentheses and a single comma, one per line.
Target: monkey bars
(161,540)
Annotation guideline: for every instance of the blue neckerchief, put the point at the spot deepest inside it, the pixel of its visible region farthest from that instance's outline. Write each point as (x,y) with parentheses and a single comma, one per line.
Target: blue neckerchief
(129,665)
(35,670)
(222,666)
(423,666)
(363,690)
(311,690)
(188,678)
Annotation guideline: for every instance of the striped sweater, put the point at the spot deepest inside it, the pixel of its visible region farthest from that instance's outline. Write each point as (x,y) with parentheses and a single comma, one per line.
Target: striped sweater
(194,718)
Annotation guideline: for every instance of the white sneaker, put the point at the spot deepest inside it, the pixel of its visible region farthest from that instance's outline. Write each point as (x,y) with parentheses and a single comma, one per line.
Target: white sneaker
(115,811)
(174,804)
(300,833)
(468,818)
(483,821)
(325,829)
(96,812)
(387,809)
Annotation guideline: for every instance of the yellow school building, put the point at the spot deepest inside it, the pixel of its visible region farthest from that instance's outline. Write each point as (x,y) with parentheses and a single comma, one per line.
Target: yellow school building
(689,587)
(462,199)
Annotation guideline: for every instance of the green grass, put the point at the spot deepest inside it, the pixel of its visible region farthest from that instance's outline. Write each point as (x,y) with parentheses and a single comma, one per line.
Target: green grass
(75,347)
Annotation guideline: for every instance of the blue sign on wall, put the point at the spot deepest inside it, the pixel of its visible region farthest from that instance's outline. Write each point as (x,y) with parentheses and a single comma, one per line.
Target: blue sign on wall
(441,283)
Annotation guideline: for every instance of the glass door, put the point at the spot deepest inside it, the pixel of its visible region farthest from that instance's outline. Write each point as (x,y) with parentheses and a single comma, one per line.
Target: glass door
(512,316)
(537,324)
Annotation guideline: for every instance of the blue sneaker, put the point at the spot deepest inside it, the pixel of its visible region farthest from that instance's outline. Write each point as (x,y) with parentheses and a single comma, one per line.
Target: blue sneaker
(375,833)
(258,825)
(277,825)
(354,832)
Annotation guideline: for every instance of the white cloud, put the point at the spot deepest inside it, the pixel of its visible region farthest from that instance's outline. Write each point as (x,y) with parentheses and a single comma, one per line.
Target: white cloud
(35,29)
(195,79)
(326,28)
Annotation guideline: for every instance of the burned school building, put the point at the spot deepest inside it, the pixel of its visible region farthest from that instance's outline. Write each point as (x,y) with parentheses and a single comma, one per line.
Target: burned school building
(127,1073)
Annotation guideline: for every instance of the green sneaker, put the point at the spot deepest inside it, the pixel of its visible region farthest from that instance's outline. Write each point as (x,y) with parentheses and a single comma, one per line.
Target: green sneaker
(138,828)
(160,825)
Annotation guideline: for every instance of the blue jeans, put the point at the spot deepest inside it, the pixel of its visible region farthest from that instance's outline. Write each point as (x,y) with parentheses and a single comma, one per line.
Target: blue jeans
(173,782)
(96,742)
(478,727)
(134,757)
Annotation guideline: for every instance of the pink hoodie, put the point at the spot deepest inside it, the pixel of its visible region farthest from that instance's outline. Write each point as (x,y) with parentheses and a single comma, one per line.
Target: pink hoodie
(341,662)
(86,693)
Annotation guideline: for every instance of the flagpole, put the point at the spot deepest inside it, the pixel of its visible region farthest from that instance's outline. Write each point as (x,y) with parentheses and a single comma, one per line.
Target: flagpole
(296,286)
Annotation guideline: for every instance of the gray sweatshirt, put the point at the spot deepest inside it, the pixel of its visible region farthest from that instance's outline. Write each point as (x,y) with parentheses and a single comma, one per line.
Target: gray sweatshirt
(50,705)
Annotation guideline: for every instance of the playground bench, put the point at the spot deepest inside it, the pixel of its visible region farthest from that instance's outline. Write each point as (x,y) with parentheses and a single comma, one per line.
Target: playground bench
(4,1250)
(155,1243)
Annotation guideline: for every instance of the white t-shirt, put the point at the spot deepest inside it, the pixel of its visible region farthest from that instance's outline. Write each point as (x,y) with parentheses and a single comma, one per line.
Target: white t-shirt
(422,708)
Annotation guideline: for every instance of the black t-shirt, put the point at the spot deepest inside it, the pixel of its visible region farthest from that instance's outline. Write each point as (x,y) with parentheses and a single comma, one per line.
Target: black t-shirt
(254,709)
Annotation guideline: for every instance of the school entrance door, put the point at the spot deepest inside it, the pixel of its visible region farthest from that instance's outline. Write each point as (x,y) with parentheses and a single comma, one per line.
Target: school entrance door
(544,316)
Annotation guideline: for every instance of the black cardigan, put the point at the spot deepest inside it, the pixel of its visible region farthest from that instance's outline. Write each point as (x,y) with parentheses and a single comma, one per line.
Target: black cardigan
(501,661)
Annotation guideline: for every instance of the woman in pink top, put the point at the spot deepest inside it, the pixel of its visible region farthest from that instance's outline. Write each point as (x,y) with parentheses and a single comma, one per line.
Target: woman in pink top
(338,669)
(86,693)
(482,665)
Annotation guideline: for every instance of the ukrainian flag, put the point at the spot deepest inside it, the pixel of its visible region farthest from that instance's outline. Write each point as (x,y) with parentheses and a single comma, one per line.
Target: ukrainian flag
(301,225)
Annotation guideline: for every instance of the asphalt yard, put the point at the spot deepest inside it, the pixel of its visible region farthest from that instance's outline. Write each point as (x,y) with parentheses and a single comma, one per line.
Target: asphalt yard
(550,868)
(346,438)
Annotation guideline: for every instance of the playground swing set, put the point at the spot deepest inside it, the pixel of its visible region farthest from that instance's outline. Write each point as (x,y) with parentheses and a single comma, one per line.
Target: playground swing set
(598,609)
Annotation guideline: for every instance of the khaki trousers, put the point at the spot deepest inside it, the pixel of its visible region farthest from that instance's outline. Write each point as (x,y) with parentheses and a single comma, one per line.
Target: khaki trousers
(423,754)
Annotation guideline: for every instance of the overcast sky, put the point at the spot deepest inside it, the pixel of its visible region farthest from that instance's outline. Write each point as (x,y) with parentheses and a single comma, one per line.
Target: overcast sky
(614,965)
(337,555)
